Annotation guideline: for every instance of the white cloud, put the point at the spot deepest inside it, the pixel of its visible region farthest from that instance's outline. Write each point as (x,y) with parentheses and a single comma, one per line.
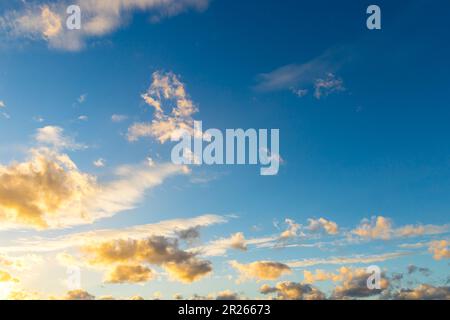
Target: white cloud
(48,191)
(291,231)
(347,260)
(328,226)
(173,110)
(329,84)
(54,136)
(2,104)
(47,21)
(166,228)
(118,117)
(300,79)
(99,163)
(382,228)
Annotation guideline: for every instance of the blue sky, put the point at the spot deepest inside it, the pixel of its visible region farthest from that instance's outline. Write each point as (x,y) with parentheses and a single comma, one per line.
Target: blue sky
(374,143)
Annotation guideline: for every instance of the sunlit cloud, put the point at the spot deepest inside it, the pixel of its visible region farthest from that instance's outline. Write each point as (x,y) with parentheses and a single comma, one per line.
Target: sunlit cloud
(49,191)
(440,249)
(364,259)
(328,226)
(47,21)
(173,110)
(54,137)
(422,292)
(354,284)
(293,291)
(261,270)
(181,265)
(382,228)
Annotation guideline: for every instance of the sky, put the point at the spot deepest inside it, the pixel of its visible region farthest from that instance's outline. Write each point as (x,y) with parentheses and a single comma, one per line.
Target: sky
(92,205)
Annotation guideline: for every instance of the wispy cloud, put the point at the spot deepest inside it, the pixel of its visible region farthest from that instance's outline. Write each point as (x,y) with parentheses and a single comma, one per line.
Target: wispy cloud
(166,228)
(347,260)
(49,191)
(118,118)
(46,21)
(318,74)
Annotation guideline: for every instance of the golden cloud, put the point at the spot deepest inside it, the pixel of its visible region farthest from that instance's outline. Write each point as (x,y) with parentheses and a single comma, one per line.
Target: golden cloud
(382,228)
(37,21)
(293,291)
(328,226)
(49,191)
(261,270)
(166,92)
(6,277)
(78,295)
(181,265)
(129,274)
(36,193)
(423,292)
(354,284)
(440,249)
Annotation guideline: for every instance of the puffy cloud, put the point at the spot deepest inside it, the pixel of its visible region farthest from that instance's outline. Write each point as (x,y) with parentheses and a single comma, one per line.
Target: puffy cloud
(422,292)
(78,295)
(293,291)
(440,249)
(189,234)
(328,226)
(161,251)
(54,137)
(354,284)
(382,228)
(320,275)
(173,110)
(237,241)
(2,104)
(6,277)
(125,273)
(261,270)
(228,295)
(99,17)
(378,228)
(292,229)
(44,191)
(189,270)
(49,191)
